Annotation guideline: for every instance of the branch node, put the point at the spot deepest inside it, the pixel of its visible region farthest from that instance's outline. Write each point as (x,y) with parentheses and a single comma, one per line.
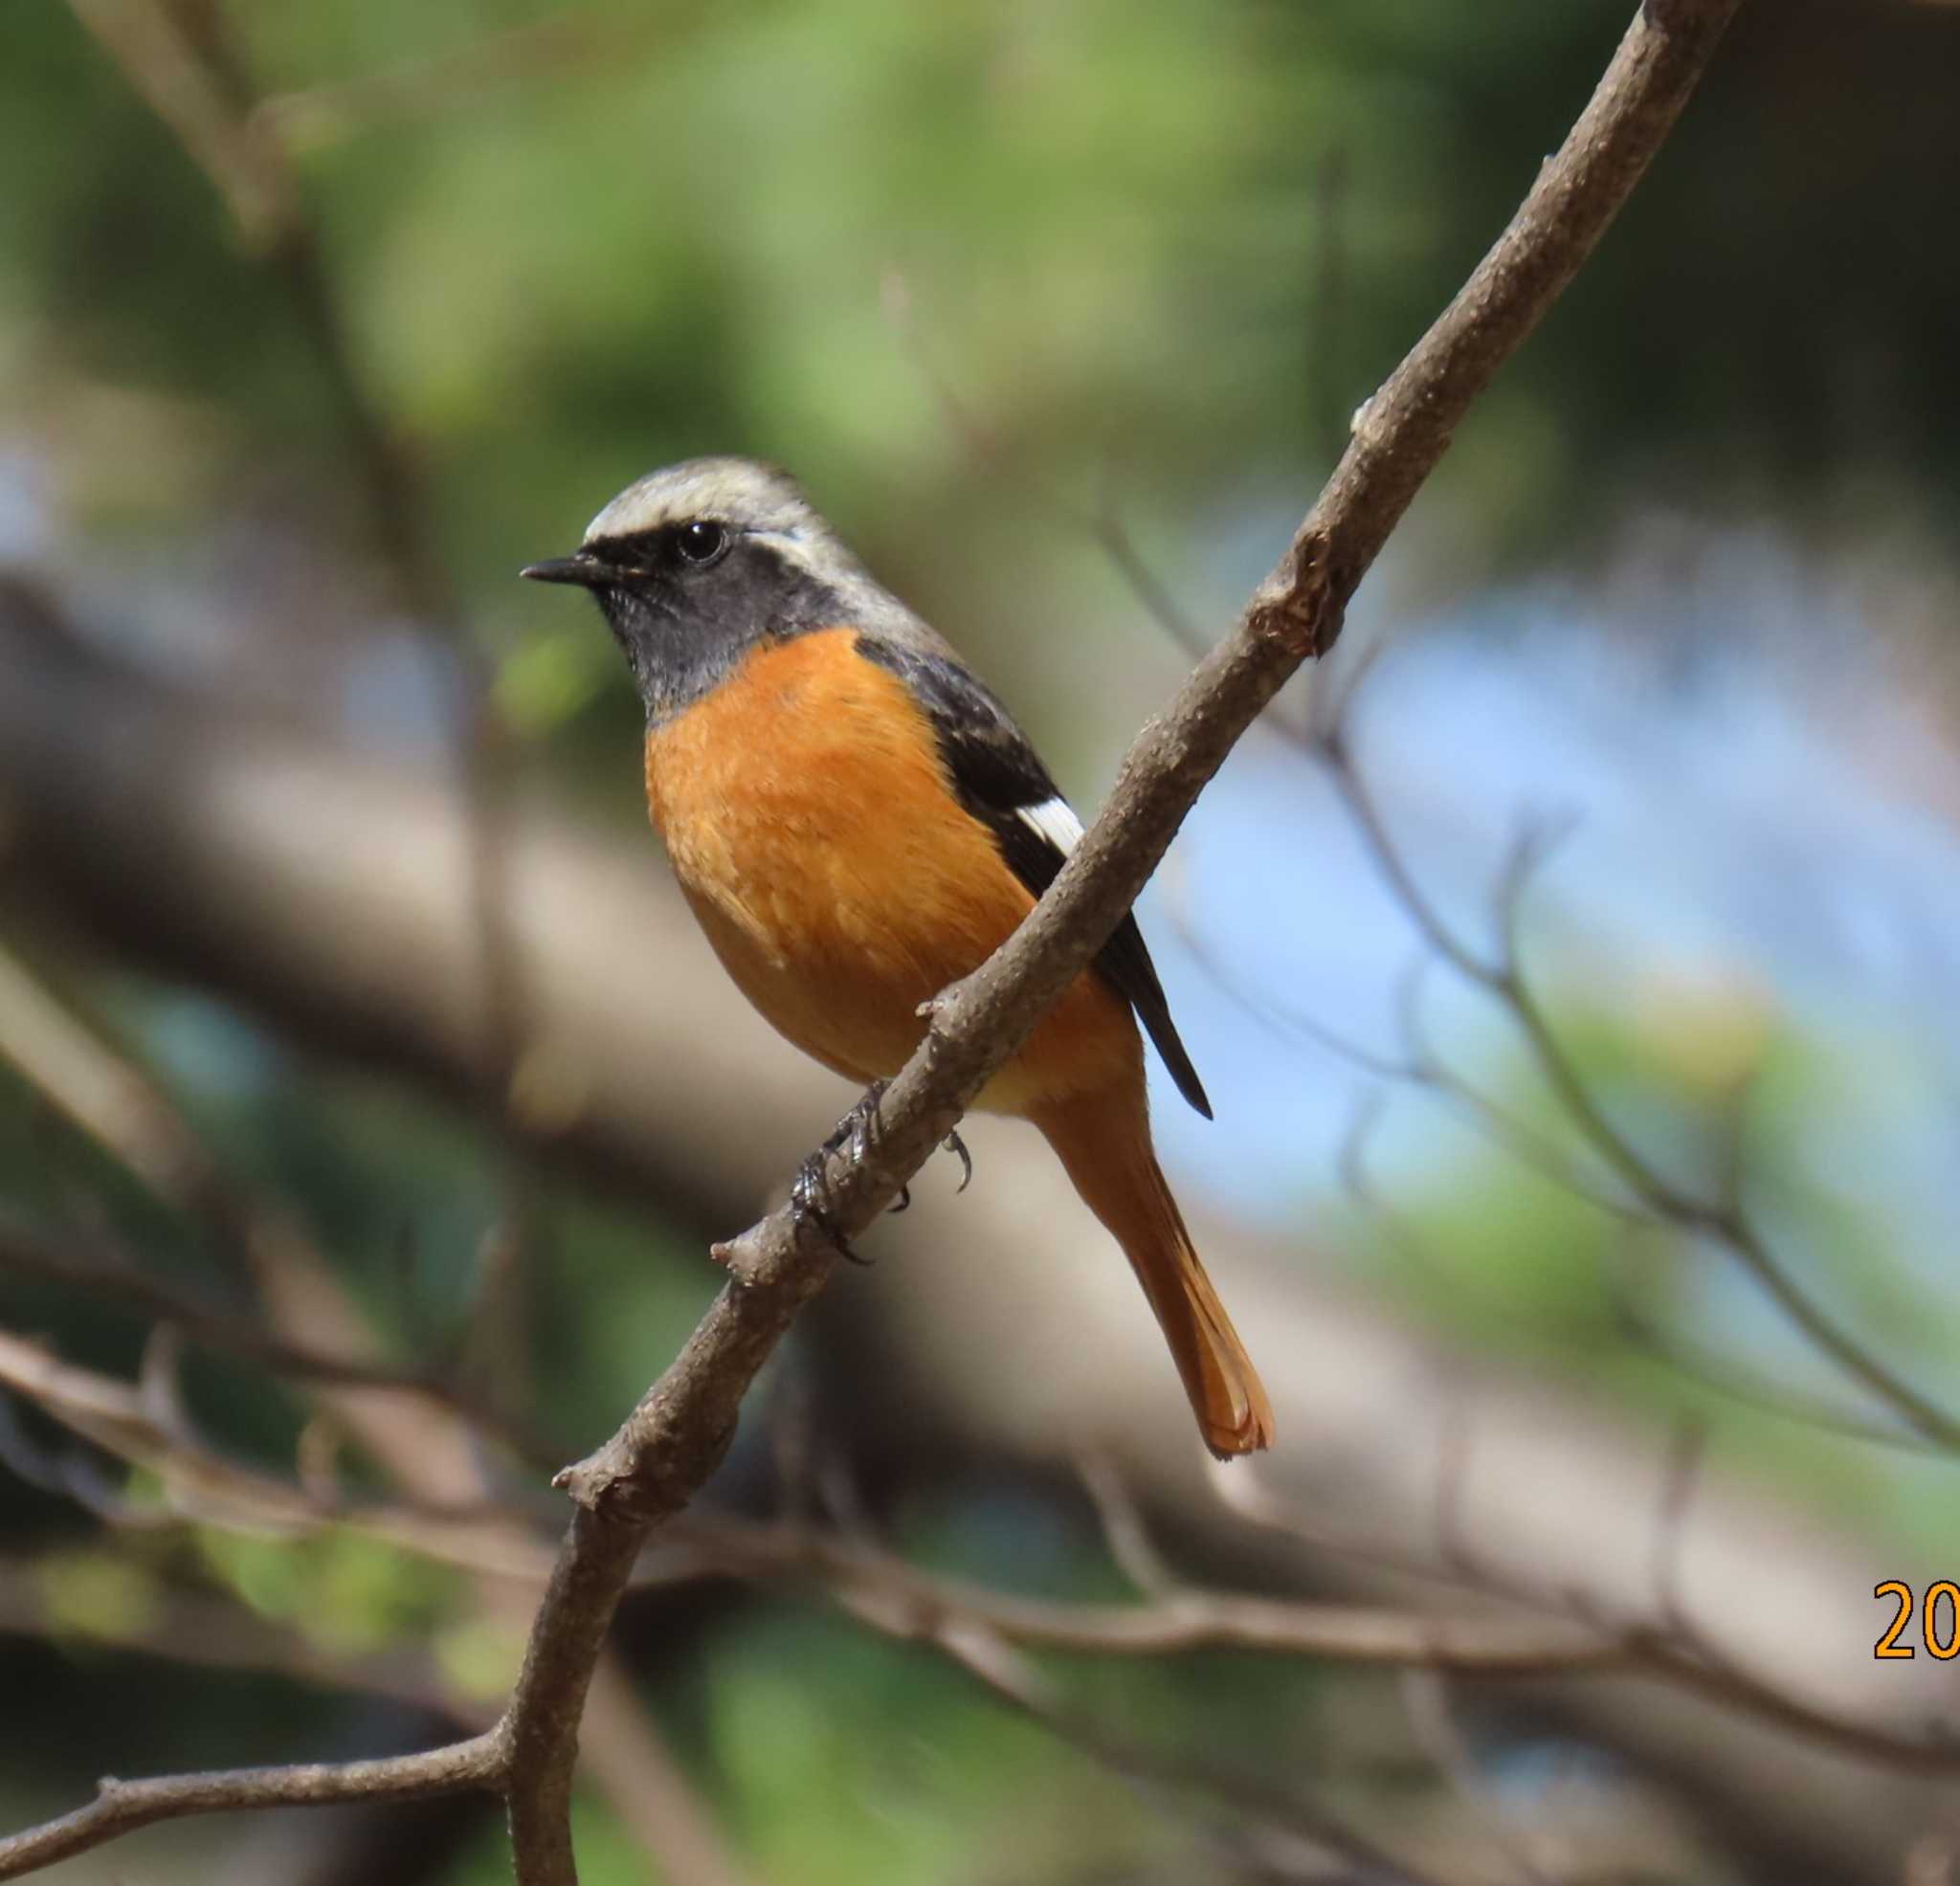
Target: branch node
(640,1486)
(743,1258)
(1300,612)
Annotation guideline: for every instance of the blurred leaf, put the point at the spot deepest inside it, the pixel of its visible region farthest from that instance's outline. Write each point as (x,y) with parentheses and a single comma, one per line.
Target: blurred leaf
(346,1592)
(99,1594)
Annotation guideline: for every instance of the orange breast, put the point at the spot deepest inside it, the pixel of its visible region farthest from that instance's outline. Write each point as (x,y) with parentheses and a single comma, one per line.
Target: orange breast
(841,883)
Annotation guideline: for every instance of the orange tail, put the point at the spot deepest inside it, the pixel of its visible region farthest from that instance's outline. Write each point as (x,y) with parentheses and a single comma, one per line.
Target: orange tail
(1103,1140)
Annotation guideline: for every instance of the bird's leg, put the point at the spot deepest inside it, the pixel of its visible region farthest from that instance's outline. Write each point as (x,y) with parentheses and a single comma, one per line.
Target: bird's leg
(863,1123)
(807,1194)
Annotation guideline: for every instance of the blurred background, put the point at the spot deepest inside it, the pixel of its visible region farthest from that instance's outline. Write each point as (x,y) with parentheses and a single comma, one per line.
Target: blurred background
(1571,965)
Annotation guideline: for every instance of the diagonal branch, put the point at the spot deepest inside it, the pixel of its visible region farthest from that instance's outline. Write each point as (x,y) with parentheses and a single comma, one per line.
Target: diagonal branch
(671,1443)
(672,1440)
(121,1807)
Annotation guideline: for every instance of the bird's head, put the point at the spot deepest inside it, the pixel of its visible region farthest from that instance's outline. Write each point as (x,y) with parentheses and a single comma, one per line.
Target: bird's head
(696,564)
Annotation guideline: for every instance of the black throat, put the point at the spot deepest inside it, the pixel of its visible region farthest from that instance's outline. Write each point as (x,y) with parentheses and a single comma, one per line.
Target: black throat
(685,630)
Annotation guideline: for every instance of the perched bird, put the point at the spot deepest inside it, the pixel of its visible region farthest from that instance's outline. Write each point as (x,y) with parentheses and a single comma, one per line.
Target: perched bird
(858,823)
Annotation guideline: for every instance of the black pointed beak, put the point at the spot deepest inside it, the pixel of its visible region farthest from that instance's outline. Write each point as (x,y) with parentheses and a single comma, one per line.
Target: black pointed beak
(584,571)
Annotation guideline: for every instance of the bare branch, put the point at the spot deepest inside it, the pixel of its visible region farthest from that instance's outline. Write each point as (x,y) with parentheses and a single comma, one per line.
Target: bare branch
(89,1263)
(670,1444)
(1419,1066)
(199,1482)
(121,1807)
(881,1590)
(672,1440)
(1676,1650)
(851,1570)
(1734,1381)
(1010,1677)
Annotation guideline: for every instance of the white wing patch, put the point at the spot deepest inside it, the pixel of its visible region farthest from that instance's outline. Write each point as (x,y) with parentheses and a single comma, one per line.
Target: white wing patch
(1054,821)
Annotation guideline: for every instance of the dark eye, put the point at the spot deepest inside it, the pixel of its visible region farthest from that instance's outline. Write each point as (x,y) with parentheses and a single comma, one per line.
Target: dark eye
(700,542)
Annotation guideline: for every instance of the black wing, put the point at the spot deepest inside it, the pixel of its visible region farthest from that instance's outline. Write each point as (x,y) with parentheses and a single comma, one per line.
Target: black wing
(1001,780)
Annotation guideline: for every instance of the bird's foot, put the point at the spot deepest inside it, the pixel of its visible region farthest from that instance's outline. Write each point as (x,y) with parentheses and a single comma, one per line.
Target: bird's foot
(953,1143)
(809,1196)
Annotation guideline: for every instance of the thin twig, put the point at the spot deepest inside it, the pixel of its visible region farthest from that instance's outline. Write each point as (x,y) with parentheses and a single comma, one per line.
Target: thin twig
(1725,1219)
(1686,1662)
(874,1585)
(89,1263)
(849,1570)
(121,1807)
(1419,1065)
(1010,1678)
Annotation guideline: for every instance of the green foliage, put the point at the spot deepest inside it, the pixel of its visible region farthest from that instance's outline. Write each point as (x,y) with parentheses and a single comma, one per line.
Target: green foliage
(1182,238)
(97,1594)
(1176,238)
(848,1757)
(349,1593)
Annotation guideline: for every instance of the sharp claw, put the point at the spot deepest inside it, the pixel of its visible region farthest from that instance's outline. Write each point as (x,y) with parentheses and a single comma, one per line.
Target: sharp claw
(955,1145)
(903,1201)
(806,1200)
(859,1127)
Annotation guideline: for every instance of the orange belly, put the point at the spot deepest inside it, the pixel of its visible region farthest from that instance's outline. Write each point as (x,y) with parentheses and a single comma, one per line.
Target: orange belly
(811,824)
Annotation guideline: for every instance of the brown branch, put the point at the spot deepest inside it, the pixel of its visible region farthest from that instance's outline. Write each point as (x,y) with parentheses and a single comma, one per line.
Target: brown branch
(121,1807)
(887,1594)
(671,1443)
(892,1595)
(200,1483)
(1673,1649)
(873,1585)
(1416,1065)
(419,1427)
(1402,432)
(672,1440)
(157,834)
(1732,1379)
(1008,1676)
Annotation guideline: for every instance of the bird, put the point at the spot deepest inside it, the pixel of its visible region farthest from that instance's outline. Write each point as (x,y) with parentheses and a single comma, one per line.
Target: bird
(858,822)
